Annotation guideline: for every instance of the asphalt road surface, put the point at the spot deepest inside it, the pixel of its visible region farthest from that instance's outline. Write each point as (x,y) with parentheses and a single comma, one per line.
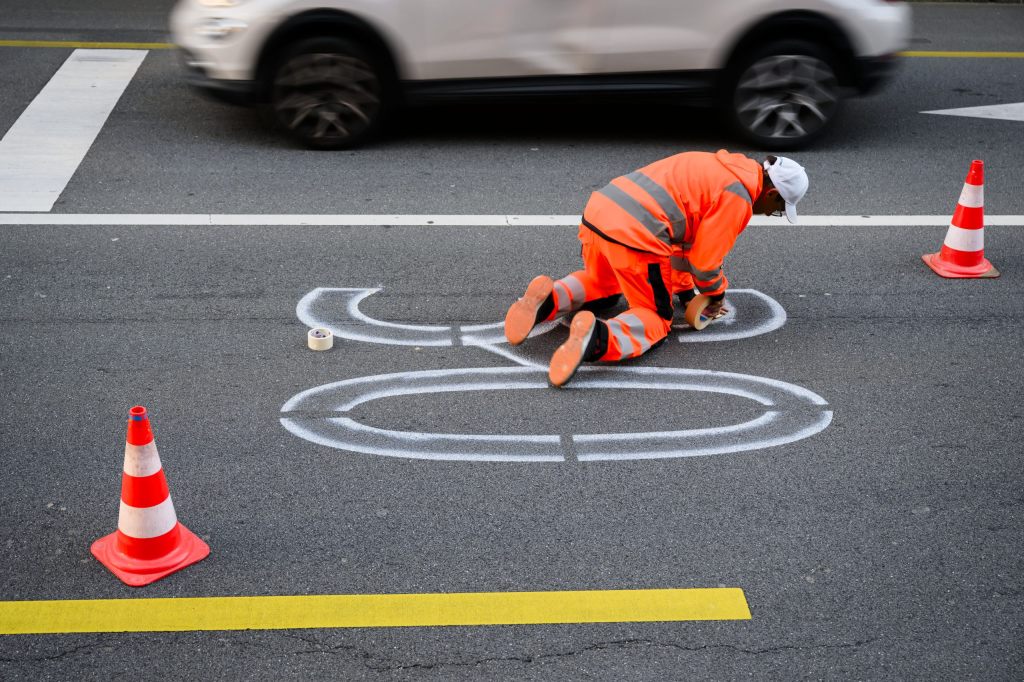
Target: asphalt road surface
(883,543)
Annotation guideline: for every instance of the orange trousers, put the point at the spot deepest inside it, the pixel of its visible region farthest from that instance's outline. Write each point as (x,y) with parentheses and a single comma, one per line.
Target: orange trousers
(610,269)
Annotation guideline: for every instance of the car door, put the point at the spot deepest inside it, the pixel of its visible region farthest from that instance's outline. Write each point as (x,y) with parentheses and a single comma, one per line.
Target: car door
(503,38)
(663,35)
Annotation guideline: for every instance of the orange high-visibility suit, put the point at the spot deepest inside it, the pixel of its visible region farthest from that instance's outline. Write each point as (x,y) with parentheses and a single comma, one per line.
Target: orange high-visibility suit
(659,230)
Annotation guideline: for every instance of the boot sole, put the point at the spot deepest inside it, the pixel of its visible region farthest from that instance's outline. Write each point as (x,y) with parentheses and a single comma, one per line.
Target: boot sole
(569,356)
(521,317)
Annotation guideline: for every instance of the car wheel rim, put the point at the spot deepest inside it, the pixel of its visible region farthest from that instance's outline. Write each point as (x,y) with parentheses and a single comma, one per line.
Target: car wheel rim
(786,96)
(327,98)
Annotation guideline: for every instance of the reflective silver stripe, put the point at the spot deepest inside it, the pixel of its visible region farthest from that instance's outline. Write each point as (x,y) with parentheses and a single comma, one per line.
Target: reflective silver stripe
(563,297)
(739,190)
(615,329)
(575,288)
(683,265)
(636,210)
(676,218)
(710,287)
(569,293)
(636,327)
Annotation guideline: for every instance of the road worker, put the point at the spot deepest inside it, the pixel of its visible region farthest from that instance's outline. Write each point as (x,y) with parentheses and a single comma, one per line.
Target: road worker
(662,230)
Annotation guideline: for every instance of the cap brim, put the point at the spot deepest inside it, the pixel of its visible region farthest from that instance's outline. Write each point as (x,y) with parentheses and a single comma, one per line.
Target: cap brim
(791,212)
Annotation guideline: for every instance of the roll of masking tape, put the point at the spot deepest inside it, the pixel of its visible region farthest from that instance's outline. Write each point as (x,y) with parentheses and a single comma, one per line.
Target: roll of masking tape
(695,312)
(320,339)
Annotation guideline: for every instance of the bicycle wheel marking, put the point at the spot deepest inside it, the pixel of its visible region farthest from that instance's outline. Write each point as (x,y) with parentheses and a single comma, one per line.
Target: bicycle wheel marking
(318,415)
(337,309)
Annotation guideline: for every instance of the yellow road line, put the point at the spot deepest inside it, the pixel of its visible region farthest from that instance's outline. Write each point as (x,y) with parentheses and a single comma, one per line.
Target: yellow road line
(969,55)
(86,45)
(371,611)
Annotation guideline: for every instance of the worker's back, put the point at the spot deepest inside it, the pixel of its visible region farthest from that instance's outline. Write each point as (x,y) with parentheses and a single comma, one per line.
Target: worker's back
(659,208)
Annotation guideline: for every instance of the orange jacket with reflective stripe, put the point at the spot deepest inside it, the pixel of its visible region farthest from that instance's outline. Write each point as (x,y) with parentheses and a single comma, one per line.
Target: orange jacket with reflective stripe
(689,207)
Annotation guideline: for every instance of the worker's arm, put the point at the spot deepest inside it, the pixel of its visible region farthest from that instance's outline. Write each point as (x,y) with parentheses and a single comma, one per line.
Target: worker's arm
(715,237)
(716,307)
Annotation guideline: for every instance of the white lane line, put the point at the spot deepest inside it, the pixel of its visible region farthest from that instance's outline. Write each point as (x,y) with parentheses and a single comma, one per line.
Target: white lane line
(371,220)
(44,147)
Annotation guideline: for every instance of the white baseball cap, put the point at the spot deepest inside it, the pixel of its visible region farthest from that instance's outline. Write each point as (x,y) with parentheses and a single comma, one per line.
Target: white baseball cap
(790,178)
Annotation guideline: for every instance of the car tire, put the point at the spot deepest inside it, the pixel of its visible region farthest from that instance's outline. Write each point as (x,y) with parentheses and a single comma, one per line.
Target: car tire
(327,93)
(783,95)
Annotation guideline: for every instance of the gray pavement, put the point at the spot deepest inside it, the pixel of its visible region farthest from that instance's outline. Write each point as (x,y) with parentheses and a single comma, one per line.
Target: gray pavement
(886,546)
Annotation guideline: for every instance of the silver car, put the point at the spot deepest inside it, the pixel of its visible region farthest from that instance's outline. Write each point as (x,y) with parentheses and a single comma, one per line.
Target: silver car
(330,70)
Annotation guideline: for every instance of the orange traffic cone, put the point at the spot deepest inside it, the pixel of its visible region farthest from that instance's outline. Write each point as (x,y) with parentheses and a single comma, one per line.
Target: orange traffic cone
(149,543)
(963,252)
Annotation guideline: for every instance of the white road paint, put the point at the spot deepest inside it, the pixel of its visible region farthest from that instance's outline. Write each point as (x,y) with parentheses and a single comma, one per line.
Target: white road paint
(346,434)
(1003,112)
(755,314)
(346,321)
(322,415)
(417,220)
(44,147)
(779,429)
(355,437)
(507,353)
(791,413)
(337,310)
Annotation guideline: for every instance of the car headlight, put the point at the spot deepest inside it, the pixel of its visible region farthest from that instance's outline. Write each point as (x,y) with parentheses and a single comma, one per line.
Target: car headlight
(219,28)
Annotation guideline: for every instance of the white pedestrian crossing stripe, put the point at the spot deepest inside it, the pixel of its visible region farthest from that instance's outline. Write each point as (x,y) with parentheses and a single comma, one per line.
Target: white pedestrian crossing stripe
(43,149)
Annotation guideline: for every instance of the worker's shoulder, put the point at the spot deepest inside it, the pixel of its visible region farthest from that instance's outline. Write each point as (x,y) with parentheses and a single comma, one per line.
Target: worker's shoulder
(734,161)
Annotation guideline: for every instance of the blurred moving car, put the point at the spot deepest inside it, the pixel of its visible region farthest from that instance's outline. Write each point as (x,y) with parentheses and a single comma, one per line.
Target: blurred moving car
(330,70)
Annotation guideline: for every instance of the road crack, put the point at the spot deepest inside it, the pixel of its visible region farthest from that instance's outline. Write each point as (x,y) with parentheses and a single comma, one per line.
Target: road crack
(378,664)
(53,657)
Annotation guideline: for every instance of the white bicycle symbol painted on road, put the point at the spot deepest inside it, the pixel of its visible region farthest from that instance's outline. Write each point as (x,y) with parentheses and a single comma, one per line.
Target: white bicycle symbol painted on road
(319,415)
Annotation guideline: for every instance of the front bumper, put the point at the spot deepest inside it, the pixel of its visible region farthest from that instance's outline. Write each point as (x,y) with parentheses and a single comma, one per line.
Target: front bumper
(219,46)
(240,92)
